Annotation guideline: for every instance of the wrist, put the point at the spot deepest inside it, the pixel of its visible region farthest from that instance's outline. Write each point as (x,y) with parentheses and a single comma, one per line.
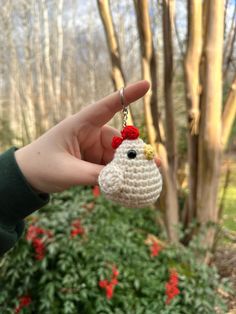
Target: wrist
(27,168)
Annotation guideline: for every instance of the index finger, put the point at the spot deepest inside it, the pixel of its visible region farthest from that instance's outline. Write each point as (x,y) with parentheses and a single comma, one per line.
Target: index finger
(102,111)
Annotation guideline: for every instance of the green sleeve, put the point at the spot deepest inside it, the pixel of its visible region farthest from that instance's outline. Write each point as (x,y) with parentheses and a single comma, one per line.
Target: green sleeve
(17,200)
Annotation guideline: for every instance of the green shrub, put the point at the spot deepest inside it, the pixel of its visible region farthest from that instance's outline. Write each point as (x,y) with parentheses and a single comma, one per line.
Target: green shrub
(63,276)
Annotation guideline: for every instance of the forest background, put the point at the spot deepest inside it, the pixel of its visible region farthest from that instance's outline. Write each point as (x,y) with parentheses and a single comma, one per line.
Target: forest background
(58,56)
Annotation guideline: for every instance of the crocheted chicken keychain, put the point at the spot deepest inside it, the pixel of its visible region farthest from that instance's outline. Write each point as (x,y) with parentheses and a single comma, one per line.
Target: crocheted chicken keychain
(132,178)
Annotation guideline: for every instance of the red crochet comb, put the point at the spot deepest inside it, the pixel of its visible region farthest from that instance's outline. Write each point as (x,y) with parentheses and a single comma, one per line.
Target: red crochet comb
(129,132)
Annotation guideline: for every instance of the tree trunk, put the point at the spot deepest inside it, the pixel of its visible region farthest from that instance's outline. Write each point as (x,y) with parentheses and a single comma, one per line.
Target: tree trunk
(149,68)
(73,82)
(91,58)
(40,106)
(58,114)
(192,79)
(118,77)
(210,121)
(229,113)
(152,117)
(229,45)
(18,113)
(172,218)
(168,25)
(6,117)
(26,83)
(47,70)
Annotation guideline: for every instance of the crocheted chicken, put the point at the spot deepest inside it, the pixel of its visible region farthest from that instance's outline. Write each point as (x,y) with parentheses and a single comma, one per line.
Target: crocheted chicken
(132,178)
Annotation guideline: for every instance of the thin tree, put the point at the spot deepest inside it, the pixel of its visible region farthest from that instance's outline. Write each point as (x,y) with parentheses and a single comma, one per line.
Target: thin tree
(41,122)
(229,42)
(25,67)
(59,50)
(192,79)
(229,113)
(209,151)
(152,117)
(49,93)
(149,68)
(6,108)
(171,197)
(118,77)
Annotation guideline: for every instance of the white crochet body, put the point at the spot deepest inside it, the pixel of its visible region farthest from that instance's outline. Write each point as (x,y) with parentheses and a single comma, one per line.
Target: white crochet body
(131,182)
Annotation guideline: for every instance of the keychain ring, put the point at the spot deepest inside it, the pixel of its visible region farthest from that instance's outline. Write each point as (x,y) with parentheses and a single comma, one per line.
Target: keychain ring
(124,104)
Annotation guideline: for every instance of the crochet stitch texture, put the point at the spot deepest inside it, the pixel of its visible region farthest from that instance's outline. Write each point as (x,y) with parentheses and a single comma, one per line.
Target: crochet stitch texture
(131,181)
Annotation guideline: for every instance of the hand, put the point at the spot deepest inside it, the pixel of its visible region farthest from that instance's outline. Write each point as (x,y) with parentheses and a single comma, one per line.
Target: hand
(74,151)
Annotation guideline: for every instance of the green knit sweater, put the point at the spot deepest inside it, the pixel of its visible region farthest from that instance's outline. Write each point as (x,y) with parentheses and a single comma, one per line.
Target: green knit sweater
(17,200)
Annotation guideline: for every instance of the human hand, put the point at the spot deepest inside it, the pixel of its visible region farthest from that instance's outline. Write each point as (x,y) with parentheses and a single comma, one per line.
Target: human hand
(74,151)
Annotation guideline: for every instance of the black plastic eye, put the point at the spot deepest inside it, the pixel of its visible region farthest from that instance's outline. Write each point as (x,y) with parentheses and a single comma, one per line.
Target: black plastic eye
(132,154)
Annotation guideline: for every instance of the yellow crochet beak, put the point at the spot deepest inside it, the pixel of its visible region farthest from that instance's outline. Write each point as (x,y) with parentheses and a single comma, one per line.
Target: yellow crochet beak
(149,152)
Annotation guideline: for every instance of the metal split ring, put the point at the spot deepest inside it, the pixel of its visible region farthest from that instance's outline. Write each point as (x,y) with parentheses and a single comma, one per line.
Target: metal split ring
(124,105)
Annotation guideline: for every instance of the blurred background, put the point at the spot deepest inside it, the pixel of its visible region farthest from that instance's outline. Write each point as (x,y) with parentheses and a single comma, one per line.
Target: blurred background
(57,56)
